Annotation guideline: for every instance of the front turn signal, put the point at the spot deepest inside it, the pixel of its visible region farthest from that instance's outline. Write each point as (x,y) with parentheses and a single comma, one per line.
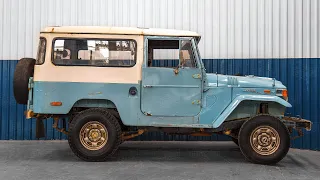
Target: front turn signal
(267,91)
(285,94)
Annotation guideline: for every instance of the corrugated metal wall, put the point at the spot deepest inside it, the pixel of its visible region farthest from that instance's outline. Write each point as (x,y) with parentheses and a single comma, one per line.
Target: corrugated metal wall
(230,28)
(275,38)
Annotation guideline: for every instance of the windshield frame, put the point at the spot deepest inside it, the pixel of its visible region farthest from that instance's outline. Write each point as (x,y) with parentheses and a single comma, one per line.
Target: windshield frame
(196,48)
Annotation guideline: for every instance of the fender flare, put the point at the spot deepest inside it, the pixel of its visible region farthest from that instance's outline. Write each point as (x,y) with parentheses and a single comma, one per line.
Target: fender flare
(236,101)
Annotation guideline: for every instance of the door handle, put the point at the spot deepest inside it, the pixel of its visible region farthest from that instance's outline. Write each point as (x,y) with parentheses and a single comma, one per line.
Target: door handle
(147,86)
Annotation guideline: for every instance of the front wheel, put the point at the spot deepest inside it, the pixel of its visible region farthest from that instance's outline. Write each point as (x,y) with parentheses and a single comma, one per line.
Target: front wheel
(94,134)
(264,139)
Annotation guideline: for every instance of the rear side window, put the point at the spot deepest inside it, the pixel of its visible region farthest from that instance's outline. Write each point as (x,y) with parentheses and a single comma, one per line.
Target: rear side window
(41,51)
(94,52)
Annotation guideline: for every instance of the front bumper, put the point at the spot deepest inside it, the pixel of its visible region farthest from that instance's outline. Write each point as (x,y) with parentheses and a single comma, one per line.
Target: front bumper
(297,123)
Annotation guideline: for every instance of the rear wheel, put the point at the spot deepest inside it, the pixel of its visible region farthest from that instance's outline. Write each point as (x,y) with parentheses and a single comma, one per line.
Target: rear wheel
(264,139)
(94,134)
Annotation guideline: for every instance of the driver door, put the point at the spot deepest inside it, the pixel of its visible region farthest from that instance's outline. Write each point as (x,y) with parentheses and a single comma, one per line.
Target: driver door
(172,78)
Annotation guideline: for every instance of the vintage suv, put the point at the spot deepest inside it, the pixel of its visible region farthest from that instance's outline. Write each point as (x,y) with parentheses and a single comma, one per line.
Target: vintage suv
(110,84)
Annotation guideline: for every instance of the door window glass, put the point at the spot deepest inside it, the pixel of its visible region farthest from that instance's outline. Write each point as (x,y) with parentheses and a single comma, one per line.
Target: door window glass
(171,54)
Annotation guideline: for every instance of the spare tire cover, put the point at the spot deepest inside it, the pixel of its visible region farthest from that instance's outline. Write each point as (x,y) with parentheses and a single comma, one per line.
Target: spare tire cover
(24,70)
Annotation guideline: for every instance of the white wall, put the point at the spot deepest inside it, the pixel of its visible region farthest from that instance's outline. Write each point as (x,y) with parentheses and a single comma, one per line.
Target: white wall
(229,28)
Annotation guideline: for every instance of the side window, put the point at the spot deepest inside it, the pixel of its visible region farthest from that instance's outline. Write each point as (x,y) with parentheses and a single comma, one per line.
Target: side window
(163,53)
(165,57)
(94,52)
(170,53)
(41,53)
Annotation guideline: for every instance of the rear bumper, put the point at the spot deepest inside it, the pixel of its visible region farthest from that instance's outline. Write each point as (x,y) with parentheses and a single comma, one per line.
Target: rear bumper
(29,112)
(297,123)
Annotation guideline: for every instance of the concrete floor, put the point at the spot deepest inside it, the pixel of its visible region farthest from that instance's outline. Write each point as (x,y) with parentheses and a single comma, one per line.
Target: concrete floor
(150,160)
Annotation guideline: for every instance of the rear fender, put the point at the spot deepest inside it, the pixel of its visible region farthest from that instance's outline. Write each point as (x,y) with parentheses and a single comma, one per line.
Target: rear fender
(233,105)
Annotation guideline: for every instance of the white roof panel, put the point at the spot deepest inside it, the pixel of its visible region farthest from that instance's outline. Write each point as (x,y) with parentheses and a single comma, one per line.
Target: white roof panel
(118,30)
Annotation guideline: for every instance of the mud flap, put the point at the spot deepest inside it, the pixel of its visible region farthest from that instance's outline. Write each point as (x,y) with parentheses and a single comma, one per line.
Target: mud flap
(40,128)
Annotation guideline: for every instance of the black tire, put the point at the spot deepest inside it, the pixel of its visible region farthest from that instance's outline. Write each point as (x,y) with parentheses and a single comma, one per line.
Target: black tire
(24,70)
(115,113)
(247,148)
(235,140)
(117,116)
(113,129)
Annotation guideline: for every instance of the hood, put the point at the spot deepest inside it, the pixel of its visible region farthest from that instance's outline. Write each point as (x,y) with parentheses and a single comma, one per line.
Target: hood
(243,81)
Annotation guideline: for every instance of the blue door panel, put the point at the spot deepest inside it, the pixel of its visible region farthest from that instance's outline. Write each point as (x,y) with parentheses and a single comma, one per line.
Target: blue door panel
(165,93)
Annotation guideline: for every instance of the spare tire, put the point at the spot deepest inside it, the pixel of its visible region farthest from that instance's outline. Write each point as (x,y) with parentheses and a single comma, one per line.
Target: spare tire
(24,70)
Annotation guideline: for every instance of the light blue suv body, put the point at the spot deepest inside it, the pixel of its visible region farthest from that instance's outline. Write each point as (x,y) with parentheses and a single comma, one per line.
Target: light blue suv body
(111,85)
(163,98)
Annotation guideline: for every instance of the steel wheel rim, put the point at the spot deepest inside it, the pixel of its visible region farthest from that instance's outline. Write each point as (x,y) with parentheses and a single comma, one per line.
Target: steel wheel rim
(265,140)
(93,135)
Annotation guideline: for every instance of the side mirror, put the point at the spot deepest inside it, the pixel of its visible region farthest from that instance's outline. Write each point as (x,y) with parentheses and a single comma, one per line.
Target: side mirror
(183,62)
(176,70)
(182,59)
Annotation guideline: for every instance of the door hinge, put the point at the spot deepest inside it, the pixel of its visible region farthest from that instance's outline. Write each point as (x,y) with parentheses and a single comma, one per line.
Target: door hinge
(196,102)
(196,76)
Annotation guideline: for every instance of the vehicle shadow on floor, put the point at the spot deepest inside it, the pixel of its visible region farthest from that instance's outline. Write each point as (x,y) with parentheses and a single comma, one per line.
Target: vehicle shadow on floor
(168,151)
(151,151)
(178,155)
(193,152)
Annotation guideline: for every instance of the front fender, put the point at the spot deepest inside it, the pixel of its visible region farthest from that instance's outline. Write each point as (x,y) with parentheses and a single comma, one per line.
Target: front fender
(236,101)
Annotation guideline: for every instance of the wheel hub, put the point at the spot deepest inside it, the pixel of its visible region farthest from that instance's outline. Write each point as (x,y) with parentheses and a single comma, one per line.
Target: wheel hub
(265,140)
(93,135)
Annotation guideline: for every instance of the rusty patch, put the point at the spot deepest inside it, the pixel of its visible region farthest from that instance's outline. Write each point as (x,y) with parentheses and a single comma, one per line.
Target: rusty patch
(201,134)
(138,133)
(299,123)
(55,126)
(29,114)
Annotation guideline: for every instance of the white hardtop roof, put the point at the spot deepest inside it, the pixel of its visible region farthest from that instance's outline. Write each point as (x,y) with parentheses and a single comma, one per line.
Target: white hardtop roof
(118,30)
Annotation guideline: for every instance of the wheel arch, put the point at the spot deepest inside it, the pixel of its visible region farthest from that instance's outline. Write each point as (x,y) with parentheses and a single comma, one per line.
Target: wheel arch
(83,104)
(95,103)
(241,105)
